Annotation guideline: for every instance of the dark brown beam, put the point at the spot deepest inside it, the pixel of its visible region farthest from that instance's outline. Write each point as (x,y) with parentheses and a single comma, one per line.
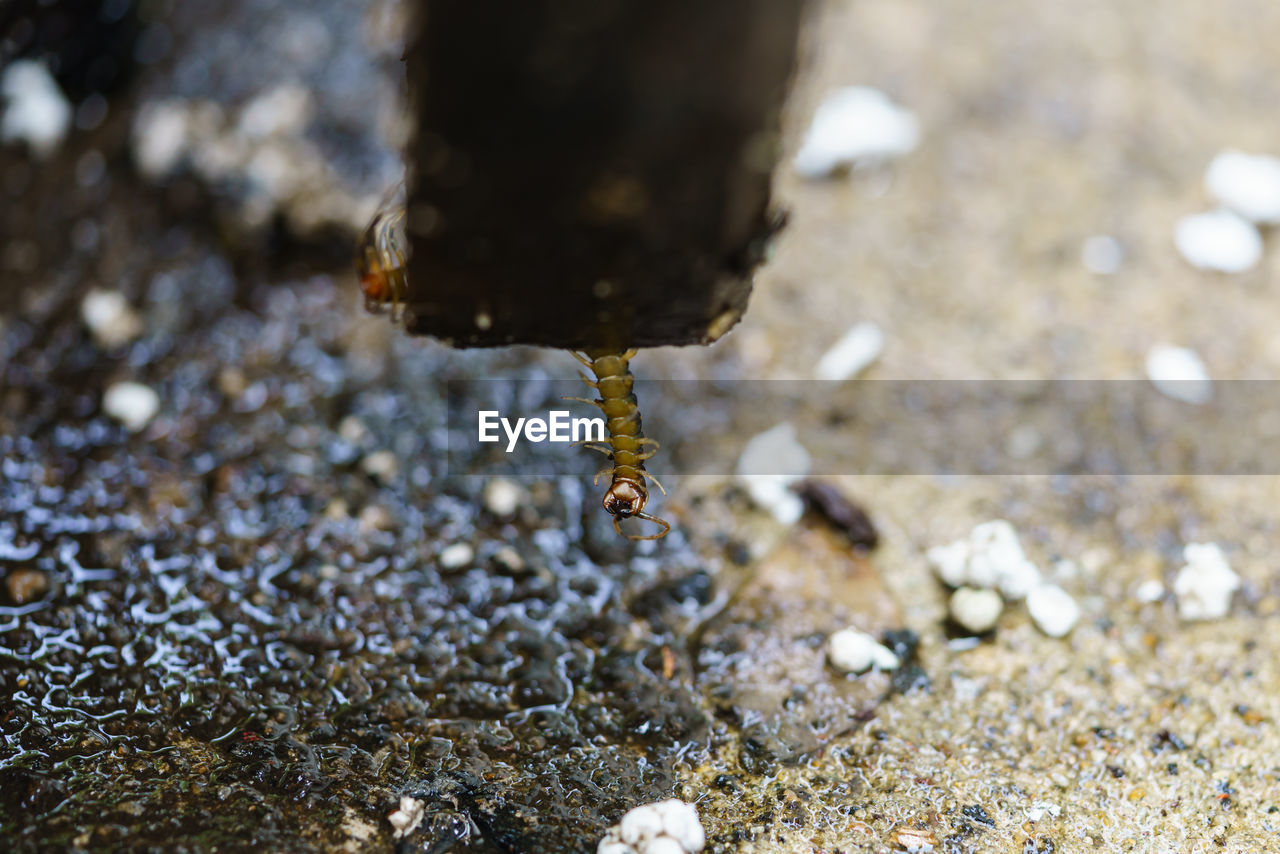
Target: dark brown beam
(592,173)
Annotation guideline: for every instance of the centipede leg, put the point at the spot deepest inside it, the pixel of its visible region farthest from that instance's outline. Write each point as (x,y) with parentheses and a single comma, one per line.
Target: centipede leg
(587,363)
(656,482)
(595,403)
(607,450)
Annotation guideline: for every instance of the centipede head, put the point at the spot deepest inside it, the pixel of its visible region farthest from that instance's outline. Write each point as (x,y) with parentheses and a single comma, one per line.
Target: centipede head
(625,498)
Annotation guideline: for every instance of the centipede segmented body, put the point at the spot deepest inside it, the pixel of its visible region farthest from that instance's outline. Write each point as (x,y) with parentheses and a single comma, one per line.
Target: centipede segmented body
(627,447)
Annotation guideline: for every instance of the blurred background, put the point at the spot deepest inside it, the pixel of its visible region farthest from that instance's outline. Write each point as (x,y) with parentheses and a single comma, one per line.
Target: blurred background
(244,603)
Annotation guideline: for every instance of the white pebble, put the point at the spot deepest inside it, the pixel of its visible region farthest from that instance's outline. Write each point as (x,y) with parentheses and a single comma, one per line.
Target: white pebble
(770,462)
(1219,240)
(1151,590)
(382,465)
(407,817)
(1249,184)
(456,555)
(852,354)
(37,112)
(1053,610)
(161,135)
(666,827)
(1040,809)
(853,651)
(1204,586)
(132,404)
(280,111)
(852,125)
(110,318)
(976,609)
(502,497)
(1102,255)
(1179,373)
(991,557)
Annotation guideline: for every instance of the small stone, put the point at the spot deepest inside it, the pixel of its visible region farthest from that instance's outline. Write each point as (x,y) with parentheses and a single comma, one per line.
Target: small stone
(1053,610)
(382,465)
(853,651)
(337,509)
(232,382)
(161,135)
(283,110)
(854,125)
(852,354)
(1205,585)
(1219,240)
(375,517)
(110,318)
(352,430)
(25,585)
(991,557)
(915,840)
(37,112)
(1102,255)
(976,609)
(666,827)
(407,817)
(1248,184)
(502,497)
(509,559)
(132,404)
(1151,590)
(456,555)
(1179,373)
(769,463)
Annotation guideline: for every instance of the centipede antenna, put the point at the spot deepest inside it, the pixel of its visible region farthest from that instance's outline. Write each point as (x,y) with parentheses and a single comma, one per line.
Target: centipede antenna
(666,527)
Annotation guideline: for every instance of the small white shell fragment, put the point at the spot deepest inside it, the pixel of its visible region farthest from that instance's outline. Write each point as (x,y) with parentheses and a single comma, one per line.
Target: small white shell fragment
(110,318)
(1151,590)
(1053,610)
(132,404)
(852,354)
(1179,373)
(37,112)
(853,651)
(1248,184)
(991,557)
(976,609)
(456,555)
(769,463)
(161,135)
(1219,240)
(1205,585)
(1040,809)
(407,817)
(502,497)
(855,124)
(1102,255)
(666,827)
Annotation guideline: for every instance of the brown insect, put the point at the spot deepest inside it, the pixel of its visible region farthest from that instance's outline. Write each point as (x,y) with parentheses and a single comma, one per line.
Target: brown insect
(381,261)
(626,445)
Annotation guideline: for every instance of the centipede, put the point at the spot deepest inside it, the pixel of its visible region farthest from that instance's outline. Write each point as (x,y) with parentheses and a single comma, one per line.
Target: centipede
(381,261)
(627,447)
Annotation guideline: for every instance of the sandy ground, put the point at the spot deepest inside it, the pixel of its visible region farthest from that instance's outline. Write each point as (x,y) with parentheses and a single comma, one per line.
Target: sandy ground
(1042,125)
